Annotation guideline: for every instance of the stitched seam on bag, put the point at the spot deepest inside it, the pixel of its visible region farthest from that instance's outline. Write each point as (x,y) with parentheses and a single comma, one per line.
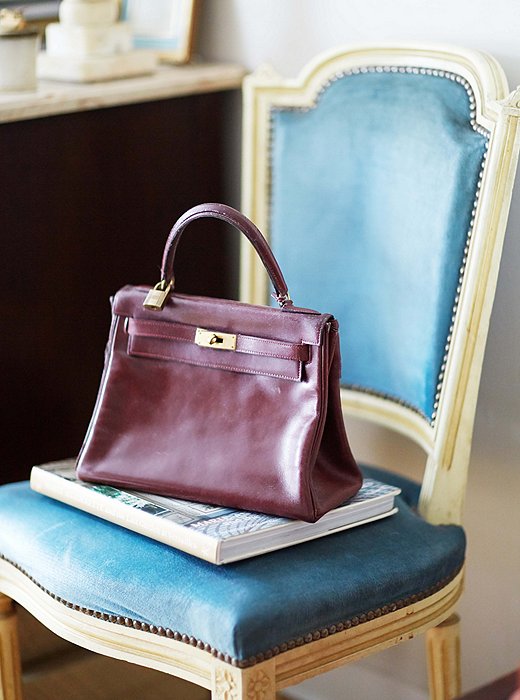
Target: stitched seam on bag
(239,304)
(240,350)
(231,368)
(272,342)
(267,354)
(262,656)
(289,346)
(159,325)
(162,337)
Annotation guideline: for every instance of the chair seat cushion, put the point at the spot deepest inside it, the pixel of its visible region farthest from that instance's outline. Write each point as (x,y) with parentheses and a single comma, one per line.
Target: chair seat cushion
(241,611)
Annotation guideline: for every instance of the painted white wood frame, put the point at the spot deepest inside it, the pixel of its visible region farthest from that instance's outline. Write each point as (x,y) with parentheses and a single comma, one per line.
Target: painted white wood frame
(447,439)
(446,442)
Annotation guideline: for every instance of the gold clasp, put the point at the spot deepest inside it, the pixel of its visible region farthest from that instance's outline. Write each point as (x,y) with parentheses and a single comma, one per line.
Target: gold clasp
(216,340)
(156,297)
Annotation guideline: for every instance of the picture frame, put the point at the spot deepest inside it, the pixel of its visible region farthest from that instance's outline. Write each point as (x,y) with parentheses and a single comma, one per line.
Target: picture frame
(166,26)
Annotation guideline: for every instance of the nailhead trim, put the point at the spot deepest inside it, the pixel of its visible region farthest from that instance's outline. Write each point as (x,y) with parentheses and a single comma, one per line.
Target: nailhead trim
(252,660)
(412,70)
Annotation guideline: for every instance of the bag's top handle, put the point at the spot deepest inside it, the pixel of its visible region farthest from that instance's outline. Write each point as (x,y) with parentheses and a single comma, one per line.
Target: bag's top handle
(157,297)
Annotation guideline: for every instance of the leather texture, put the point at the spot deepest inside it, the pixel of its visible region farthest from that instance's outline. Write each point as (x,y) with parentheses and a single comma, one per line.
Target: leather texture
(374,187)
(241,609)
(259,427)
(235,218)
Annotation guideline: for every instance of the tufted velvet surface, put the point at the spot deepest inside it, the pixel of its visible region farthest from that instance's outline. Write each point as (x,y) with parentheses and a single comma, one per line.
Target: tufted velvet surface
(240,609)
(371,200)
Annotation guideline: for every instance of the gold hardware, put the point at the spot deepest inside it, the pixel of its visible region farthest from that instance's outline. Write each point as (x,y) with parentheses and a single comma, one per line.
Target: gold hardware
(215,339)
(156,297)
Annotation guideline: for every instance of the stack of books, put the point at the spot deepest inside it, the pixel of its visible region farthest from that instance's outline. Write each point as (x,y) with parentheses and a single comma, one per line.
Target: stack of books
(218,535)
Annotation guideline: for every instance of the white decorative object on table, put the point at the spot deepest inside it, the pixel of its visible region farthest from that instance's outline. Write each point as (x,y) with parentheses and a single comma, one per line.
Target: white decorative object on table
(18,49)
(88,44)
(89,13)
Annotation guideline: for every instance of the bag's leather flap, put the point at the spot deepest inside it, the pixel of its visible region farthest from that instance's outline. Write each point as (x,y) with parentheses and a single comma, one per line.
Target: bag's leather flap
(176,342)
(293,326)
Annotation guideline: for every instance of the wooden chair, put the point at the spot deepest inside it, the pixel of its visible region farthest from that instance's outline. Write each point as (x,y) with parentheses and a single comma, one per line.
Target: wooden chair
(382,177)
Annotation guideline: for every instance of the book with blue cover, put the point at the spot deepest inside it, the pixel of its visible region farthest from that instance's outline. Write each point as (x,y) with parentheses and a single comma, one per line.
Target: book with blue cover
(218,535)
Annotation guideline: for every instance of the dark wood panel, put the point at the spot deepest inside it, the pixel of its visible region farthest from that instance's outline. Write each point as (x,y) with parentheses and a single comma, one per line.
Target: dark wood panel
(87,200)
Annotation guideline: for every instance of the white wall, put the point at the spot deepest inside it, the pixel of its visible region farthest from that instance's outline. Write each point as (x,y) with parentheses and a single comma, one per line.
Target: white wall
(287,33)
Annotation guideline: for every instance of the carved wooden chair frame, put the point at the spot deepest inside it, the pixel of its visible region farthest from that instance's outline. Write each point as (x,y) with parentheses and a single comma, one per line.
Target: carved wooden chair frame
(445,440)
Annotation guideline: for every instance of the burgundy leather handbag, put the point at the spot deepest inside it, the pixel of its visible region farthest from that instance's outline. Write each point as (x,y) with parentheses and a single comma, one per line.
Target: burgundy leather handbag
(220,401)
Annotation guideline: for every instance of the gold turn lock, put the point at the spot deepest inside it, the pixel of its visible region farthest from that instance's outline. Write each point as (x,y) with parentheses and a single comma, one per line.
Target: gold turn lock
(215,340)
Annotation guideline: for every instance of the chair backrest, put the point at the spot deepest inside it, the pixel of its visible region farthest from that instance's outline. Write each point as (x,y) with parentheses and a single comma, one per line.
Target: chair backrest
(382,178)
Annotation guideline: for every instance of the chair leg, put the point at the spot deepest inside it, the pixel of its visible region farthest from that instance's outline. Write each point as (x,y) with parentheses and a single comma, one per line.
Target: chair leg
(443,650)
(256,683)
(10,667)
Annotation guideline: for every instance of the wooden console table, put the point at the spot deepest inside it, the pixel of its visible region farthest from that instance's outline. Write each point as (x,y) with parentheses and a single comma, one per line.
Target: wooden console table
(91,179)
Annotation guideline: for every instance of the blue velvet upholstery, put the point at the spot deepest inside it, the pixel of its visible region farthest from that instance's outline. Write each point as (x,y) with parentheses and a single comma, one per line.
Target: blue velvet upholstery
(243,609)
(371,202)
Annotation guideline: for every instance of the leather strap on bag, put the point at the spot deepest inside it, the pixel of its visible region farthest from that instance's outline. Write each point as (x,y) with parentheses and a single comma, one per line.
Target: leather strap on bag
(158,296)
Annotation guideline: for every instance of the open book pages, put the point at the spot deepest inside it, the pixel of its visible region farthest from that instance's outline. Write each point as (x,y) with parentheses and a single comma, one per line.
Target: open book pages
(218,535)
